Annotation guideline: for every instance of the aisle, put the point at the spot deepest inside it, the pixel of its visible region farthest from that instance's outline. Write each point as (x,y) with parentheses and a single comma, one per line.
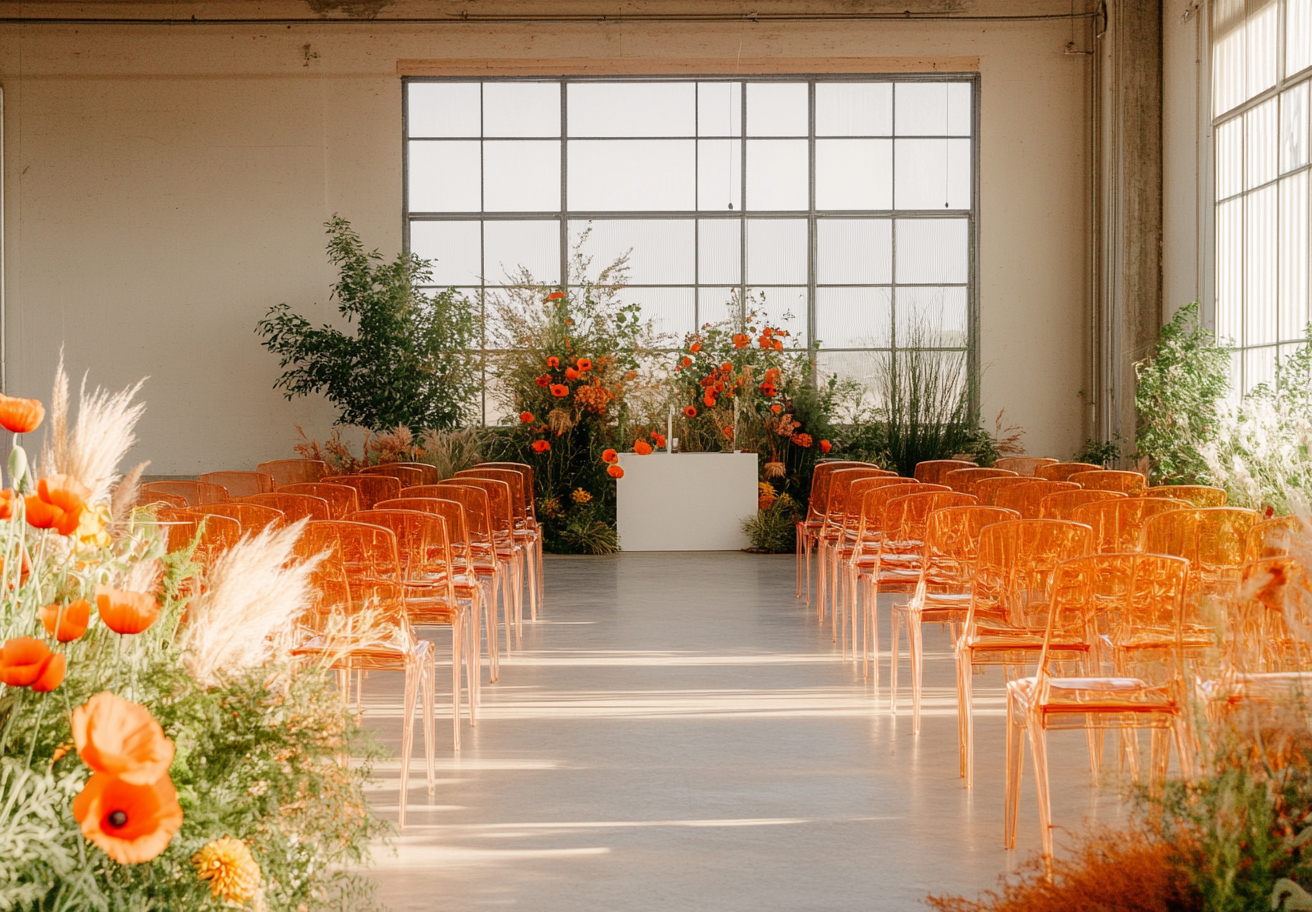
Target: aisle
(677,734)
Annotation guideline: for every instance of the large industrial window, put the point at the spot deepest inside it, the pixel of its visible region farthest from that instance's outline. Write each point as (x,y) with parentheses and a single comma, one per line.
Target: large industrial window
(1261,70)
(848,202)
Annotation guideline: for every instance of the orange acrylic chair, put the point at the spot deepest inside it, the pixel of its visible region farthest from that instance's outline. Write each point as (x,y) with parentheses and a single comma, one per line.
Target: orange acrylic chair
(1062,471)
(830,540)
(1131,483)
(1214,541)
(1015,562)
(1117,523)
(1026,498)
(1275,537)
(193,492)
(240,484)
(817,509)
(294,471)
(342,500)
(530,495)
(1024,465)
(1113,596)
(1063,503)
(371,488)
(941,592)
(251,517)
(492,561)
(147,498)
(511,551)
(217,534)
(931,471)
(293,506)
(1198,495)
(966,481)
(525,530)
(429,473)
(407,475)
(989,489)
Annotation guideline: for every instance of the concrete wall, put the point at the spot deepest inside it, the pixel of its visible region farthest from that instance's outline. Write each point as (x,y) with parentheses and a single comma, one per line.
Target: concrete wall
(165,184)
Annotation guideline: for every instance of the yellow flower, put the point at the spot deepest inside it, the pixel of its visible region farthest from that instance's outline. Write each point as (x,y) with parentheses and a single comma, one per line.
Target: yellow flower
(232,871)
(581,496)
(91,526)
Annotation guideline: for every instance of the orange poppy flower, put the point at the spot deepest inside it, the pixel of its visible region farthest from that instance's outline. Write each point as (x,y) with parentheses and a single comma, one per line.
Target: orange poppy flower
(658,439)
(25,661)
(543,381)
(695,347)
(615,472)
(709,400)
(584,364)
(555,296)
(571,374)
(540,446)
(7,503)
(802,440)
(778,346)
(610,456)
(825,446)
(131,823)
(72,619)
(685,361)
(559,390)
(126,612)
(690,411)
(741,340)
(642,448)
(57,504)
(21,415)
(726,368)
(526,417)
(553,362)
(121,739)
(776,408)
(53,674)
(765,341)
(768,390)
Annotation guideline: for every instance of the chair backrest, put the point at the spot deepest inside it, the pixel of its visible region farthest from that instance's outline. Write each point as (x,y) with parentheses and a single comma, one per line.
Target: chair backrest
(406,474)
(341,499)
(240,484)
(500,501)
(987,489)
(475,500)
(856,497)
(429,473)
(193,492)
(1024,465)
(1132,483)
(1026,499)
(1062,471)
(367,553)
(421,541)
(457,525)
(818,500)
(951,535)
(840,485)
(1061,504)
(145,498)
(521,496)
(371,488)
(217,533)
(1016,561)
(1117,523)
(1198,495)
(1212,539)
(965,481)
(871,518)
(530,486)
(931,471)
(1275,537)
(294,471)
(251,517)
(294,506)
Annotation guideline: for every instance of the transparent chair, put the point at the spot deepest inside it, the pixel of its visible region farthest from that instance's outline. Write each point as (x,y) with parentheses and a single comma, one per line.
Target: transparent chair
(526,532)
(293,506)
(1113,597)
(1015,562)
(491,563)
(1117,523)
(429,474)
(989,489)
(1212,539)
(251,517)
(240,484)
(217,533)
(809,526)
(1198,495)
(371,488)
(1062,471)
(931,471)
(342,500)
(1063,503)
(829,540)
(1024,465)
(966,481)
(1275,537)
(1026,498)
(941,591)
(407,475)
(532,526)
(294,471)
(193,492)
(147,498)
(1132,483)
(512,552)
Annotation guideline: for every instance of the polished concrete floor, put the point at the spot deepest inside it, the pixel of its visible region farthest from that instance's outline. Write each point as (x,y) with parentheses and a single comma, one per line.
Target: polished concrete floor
(678,733)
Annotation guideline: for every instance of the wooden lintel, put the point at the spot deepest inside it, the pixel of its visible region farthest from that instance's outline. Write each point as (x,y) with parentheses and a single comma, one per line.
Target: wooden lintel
(669,66)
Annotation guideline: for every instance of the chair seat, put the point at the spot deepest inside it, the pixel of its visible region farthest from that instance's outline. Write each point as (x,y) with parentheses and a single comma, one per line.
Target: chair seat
(1105,695)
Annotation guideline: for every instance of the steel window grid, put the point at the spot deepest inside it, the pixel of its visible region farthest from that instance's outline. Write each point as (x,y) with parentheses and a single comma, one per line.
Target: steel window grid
(812,214)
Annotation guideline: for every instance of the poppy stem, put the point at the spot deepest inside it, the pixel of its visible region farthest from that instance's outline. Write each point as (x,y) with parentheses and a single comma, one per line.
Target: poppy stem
(13,714)
(40,715)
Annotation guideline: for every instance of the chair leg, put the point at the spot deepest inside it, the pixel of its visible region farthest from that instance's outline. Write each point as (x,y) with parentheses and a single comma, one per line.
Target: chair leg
(457,647)
(1015,758)
(806,559)
(798,551)
(916,648)
(842,601)
(820,582)
(531,566)
(897,617)
(872,630)
(965,721)
(429,685)
(489,622)
(1039,751)
(413,674)
(472,649)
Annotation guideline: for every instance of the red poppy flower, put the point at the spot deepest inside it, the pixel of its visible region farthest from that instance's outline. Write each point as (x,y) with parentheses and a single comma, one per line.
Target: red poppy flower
(131,823)
(765,341)
(741,340)
(126,612)
(695,347)
(553,362)
(727,432)
(20,415)
(584,364)
(559,390)
(526,417)
(615,472)
(72,619)
(709,400)
(642,448)
(57,504)
(685,361)
(571,374)
(610,456)
(555,296)
(825,446)
(659,440)
(543,381)
(690,411)
(768,390)
(540,446)
(802,440)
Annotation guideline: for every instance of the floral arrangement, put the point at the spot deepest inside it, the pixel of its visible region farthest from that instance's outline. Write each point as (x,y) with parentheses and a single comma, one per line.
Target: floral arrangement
(156,749)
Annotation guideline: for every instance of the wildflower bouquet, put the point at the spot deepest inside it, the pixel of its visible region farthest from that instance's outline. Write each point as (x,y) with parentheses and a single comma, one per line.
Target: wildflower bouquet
(156,751)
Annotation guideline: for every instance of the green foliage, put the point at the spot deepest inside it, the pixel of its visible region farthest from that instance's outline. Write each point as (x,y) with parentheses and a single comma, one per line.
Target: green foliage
(411,360)
(1097,453)
(583,529)
(773,529)
(1177,397)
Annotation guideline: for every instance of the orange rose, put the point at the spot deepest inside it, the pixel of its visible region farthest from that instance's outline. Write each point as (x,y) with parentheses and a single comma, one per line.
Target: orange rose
(72,620)
(642,448)
(615,472)
(121,739)
(126,612)
(584,364)
(526,417)
(559,390)
(540,446)
(689,411)
(20,415)
(57,504)
(741,340)
(27,662)
(610,456)
(131,823)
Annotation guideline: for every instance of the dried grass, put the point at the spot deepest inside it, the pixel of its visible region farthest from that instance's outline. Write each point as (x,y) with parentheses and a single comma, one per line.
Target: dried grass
(124,494)
(452,451)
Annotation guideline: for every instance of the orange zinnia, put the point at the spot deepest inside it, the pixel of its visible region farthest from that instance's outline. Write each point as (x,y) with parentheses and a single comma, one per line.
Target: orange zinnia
(121,739)
(126,612)
(20,415)
(642,448)
(584,364)
(689,411)
(540,446)
(26,661)
(57,504)
(559,390)
(610,456)
(802,440)
(741,340)
(526,417)
(72,619)
(131,823)
(615,472)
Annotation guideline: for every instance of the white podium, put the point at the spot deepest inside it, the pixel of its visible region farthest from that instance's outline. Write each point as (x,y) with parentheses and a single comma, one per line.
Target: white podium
(685,501)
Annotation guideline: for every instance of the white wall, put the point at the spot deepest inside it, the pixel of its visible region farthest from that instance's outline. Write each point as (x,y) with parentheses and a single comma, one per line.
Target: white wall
(1184,155)
(164,185)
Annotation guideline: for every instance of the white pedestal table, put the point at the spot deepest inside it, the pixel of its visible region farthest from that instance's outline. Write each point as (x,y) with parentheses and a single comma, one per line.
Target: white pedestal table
(685,501)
